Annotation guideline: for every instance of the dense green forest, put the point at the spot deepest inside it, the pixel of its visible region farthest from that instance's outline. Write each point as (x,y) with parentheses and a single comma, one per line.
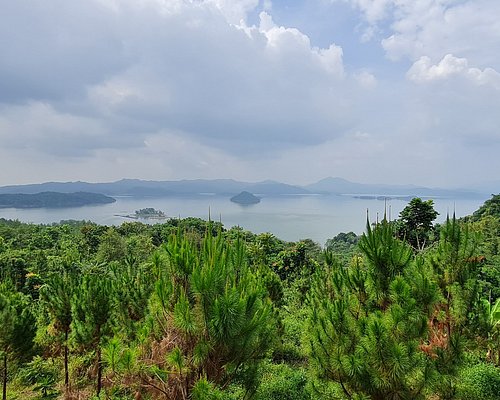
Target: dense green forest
(187,309)
(52,199)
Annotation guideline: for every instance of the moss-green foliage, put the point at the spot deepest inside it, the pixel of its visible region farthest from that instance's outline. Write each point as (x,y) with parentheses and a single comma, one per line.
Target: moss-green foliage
(490,207)
(343,246)
(282,382)
(480,381)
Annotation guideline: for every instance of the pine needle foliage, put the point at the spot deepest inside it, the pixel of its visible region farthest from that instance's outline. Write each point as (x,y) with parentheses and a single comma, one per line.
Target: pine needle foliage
(17,328)
(386,257)
(213,312)
(56,297)
(457,317)
(93,316)
(133,284)
(367,321)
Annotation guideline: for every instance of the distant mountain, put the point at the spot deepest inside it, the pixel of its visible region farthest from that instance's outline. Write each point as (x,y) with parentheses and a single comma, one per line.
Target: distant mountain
(140,188)
(345,187)
(275,188)
(229,187)
(245,198)
(52,200)
(490,187)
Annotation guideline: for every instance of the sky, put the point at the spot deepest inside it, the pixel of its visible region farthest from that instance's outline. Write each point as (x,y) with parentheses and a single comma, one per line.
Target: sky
(374,91)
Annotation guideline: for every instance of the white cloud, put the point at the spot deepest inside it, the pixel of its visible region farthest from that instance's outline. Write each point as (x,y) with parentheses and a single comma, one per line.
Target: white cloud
(366,79)
(292,42)
(234,10)
(410,29)
(183,89)
(424,71)
(176,65)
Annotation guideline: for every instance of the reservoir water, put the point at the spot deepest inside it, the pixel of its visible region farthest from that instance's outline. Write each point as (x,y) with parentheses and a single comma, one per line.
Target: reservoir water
(318,217)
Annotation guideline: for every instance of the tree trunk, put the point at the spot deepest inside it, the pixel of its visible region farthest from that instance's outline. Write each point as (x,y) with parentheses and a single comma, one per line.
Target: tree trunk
(99,370)
(99,363)
(4,389)
(66,368)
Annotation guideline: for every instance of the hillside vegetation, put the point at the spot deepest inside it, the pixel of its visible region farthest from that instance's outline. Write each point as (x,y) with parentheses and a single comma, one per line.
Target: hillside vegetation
(53,200)
(190,310)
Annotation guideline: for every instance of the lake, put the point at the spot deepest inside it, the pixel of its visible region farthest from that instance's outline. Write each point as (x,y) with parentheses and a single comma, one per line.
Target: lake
(318,217)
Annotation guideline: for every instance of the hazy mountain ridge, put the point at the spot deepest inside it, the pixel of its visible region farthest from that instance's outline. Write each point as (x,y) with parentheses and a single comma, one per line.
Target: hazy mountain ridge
(344,187)
(328,186)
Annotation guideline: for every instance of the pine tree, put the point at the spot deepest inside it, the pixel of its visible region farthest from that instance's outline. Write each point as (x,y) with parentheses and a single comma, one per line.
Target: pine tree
(367,321)
(457,317)
(214,314)
(92,308)
(17,327)
(133,284)
(56,296)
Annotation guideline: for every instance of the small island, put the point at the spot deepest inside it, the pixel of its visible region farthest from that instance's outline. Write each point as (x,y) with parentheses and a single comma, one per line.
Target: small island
(145,213)
(245,198)
(53,200)
(150,213)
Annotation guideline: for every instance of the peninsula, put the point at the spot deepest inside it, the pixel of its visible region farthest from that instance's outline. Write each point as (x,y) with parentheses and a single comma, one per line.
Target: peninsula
(53,200)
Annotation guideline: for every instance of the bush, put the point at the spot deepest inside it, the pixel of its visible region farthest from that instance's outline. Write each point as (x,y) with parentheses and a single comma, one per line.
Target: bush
(480,381)
(281,382)
(43,374)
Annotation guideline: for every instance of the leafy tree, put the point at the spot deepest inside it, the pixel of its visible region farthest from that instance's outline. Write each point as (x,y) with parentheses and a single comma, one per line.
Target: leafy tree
(491,326)
(112,247)
(91,237)
(17,327)
(415,222)
(297,260)
(265,249)
(343,245)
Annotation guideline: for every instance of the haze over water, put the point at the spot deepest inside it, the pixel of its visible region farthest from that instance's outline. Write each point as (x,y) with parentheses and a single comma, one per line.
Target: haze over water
(288,217)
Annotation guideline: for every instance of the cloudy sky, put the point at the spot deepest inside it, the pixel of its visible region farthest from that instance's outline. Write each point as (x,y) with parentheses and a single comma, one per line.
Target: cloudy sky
(393,91)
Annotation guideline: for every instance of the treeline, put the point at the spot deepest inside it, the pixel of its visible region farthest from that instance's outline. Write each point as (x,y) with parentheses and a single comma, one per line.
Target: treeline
(190,310)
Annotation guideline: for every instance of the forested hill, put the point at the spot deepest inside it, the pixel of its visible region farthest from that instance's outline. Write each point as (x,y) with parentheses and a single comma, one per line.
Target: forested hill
(53,200)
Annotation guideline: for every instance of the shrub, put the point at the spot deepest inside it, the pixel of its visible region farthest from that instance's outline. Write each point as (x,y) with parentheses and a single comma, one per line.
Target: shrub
(281,382)
(480,381)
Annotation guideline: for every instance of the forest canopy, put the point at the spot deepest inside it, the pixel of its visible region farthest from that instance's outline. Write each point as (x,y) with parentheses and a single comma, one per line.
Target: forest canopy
(187,309)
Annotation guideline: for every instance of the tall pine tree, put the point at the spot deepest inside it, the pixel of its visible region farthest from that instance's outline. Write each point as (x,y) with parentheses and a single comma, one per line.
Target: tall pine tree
(56,296)
(17,328)
(212,315)
(367,321)
(93,310)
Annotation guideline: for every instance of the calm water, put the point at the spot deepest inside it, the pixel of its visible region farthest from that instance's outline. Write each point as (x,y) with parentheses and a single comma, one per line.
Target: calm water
(288,217)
